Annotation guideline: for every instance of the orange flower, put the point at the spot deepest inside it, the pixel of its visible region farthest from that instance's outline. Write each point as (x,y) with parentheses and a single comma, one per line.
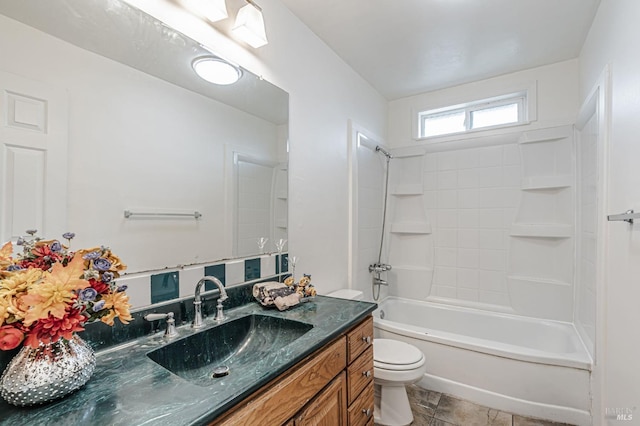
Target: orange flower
(118,306)
(10,338)
(51,329)
(12,290)
(56,292)
(5,255)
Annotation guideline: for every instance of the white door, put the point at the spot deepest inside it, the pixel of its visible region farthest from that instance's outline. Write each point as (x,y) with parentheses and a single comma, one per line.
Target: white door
(33,158)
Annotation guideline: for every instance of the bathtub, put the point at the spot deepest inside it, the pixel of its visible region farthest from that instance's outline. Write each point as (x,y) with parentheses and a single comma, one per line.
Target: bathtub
(532,367)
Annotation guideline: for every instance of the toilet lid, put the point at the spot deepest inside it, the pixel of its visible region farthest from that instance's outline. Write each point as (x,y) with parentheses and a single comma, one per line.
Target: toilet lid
(395,352)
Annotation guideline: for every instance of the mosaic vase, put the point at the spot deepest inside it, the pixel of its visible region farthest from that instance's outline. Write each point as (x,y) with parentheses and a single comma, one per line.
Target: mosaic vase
(51,371)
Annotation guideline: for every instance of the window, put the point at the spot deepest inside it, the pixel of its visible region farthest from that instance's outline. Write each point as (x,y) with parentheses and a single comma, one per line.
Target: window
(495,112)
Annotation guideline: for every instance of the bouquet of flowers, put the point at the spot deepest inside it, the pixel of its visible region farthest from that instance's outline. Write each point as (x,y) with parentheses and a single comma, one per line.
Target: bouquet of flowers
(48,292)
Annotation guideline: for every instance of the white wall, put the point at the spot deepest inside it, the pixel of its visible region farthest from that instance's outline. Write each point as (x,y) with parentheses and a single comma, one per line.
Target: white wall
(557,99)
(324,94)
(614,39)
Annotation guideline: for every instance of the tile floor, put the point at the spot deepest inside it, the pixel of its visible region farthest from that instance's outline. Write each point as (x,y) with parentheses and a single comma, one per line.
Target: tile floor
(436,409)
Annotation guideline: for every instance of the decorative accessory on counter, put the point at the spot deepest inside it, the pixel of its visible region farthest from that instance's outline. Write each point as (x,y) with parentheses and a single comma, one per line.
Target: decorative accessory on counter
(47,294)
(275,294)
(280,245)
(262,241)
(293,261)
(284,295)
(48,372)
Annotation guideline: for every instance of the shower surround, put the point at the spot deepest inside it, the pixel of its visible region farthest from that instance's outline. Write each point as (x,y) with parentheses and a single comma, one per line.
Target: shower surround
(489,230)
(489,225)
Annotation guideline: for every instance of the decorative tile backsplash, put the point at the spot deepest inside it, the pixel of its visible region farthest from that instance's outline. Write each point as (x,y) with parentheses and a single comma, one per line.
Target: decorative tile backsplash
(165,287)
(152,287)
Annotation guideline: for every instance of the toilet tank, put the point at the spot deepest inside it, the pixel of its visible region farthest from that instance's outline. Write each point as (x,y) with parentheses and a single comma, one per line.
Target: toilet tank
(347,293)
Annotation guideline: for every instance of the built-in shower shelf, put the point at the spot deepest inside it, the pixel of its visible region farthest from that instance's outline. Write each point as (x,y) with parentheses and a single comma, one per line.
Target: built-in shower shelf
(547,182)
(407,189)
(542,230)
(546,135)
(536,281)
(411,228)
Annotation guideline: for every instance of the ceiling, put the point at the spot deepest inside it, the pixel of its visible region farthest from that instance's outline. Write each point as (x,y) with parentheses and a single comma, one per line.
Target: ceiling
(406,47)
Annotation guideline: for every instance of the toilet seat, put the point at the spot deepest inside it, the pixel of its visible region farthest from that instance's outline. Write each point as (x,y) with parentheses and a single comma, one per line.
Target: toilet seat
(395,355)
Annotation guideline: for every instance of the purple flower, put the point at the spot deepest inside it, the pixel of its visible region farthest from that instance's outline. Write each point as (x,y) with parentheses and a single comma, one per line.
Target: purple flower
(98,305)
(101,264)
(20,241)
(88,294)
(31,231)
(107,277)
(91,256)
(68,235)
(122,287)
(55,246)
(12,268)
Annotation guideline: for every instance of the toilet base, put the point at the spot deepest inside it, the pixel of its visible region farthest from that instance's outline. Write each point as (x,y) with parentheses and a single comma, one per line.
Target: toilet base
(392,406)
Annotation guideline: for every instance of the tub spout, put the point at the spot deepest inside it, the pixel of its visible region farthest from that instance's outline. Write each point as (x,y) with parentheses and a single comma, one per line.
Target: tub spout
(379,281)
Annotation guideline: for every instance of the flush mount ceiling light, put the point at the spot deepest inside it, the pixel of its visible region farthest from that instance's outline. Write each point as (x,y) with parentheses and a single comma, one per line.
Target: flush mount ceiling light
(249,25)
(213,10)
(216,70)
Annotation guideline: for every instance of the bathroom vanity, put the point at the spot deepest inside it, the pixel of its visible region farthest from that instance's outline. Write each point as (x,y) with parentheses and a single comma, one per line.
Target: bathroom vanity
(323,372)
(332,386)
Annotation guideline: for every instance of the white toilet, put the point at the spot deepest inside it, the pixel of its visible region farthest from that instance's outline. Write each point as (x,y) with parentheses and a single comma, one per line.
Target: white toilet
(395,365)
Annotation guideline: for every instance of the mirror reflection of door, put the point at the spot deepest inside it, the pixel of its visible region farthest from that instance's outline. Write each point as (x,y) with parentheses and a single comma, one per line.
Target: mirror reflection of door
(259,188)
(33,157)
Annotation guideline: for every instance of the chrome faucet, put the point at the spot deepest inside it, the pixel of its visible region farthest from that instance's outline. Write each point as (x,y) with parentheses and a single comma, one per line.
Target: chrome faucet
(171,323)
(197,302)
(379,267)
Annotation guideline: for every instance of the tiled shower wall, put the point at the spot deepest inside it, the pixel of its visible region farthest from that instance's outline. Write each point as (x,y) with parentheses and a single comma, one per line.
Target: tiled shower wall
(471,197)
(491,226)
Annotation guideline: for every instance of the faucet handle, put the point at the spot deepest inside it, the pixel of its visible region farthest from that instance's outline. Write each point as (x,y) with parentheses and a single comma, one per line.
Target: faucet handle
(171,323)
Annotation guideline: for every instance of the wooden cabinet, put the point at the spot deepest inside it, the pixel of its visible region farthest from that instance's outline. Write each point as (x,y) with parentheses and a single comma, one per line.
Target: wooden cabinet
(359,339)
(360,373)
(328,408)
(332,387)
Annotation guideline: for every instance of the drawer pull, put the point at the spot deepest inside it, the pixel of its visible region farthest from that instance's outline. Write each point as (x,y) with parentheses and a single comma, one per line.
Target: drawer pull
(366,373)
(366,339)
(366,412)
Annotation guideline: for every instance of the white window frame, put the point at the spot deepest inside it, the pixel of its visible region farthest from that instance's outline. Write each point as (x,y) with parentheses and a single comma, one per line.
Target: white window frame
(522,98)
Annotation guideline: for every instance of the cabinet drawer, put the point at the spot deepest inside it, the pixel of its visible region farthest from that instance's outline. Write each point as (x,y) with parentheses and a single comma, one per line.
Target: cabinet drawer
(359,339)
(361,411)
(360,374)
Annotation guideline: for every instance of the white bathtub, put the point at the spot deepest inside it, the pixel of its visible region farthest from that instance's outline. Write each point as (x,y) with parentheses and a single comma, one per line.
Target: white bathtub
(525,366)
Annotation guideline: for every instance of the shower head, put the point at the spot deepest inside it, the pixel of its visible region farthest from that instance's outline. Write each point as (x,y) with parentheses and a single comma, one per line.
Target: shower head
(384,151)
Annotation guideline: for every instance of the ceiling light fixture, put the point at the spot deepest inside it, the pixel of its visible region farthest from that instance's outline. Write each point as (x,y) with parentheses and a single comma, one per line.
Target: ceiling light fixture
(249,25)
(216,70)
(213,10)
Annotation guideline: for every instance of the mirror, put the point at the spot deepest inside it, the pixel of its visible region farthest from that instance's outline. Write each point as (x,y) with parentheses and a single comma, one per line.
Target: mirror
(143,134)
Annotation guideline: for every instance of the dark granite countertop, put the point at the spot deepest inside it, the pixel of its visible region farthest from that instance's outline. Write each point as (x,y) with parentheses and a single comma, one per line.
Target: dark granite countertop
(128,388)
